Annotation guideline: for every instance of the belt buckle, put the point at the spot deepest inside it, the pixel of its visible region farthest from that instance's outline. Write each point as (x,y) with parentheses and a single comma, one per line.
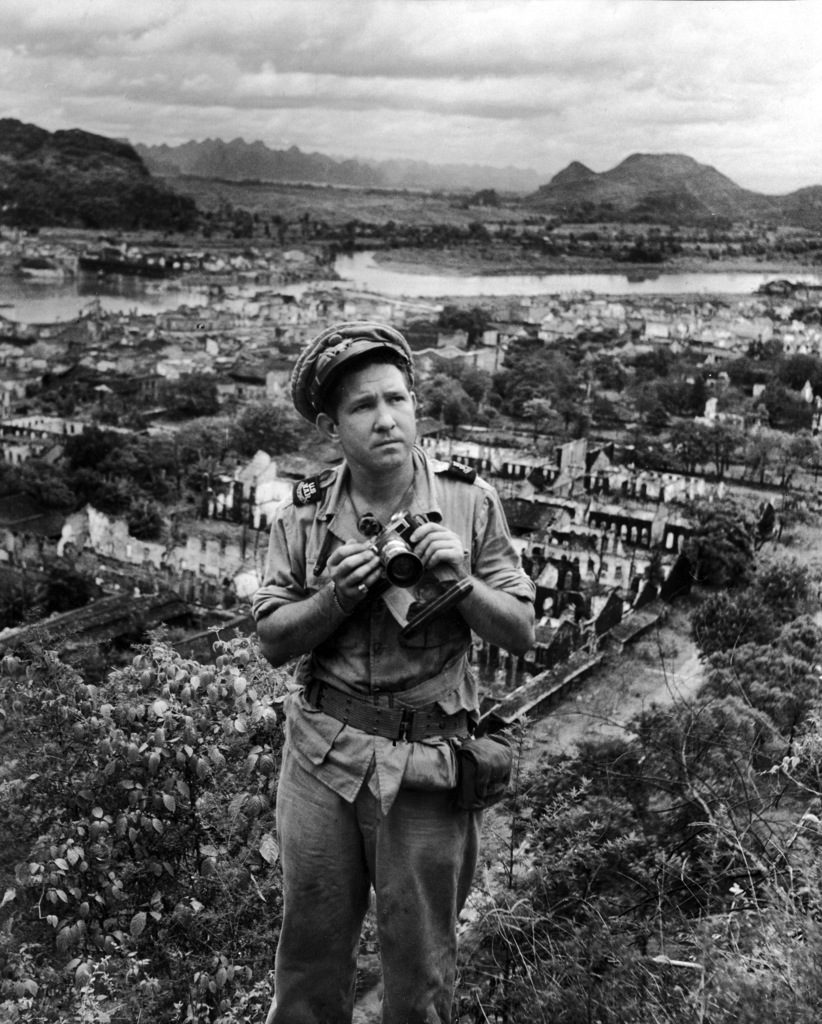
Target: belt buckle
(406,724)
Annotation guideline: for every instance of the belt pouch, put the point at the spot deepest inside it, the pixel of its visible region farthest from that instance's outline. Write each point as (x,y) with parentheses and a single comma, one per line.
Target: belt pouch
(483,771)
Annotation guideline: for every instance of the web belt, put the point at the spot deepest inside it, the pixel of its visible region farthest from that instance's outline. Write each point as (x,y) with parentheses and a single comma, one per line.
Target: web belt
(393,722)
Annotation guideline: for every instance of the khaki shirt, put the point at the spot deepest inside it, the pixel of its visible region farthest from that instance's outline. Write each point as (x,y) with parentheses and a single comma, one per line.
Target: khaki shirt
(366,654)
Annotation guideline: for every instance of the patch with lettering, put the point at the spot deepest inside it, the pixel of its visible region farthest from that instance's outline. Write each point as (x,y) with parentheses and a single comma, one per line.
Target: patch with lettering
(309,491)
(460,471)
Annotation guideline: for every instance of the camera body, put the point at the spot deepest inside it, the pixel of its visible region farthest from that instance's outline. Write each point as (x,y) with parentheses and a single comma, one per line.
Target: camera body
(402,567)
(392,543)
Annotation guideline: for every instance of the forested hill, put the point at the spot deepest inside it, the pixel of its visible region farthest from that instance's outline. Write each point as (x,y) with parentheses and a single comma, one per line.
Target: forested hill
(75,178)
(670,187)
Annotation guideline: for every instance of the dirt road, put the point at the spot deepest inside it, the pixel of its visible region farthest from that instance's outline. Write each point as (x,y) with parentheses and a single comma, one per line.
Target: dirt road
(661,668)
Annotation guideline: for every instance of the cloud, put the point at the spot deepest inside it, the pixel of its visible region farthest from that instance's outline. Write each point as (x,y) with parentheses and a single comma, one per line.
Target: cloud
(524,82)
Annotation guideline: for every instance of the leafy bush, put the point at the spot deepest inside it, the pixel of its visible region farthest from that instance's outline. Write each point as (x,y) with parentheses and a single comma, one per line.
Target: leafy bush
(651,880)
(778,594)
(142,809)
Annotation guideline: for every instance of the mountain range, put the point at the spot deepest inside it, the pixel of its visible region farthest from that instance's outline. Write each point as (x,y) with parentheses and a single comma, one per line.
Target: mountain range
(239,160)
(76,178)
(670,187)
(667,187)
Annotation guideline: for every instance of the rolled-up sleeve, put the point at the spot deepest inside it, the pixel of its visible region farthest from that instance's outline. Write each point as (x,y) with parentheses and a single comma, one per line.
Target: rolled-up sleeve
(494,557)
(284,577)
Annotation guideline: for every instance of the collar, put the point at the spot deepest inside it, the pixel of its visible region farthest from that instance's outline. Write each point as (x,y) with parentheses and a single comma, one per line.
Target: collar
(338,511)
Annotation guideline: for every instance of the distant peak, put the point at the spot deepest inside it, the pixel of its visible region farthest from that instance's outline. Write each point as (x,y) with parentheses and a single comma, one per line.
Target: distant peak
(659,159)
(575,171)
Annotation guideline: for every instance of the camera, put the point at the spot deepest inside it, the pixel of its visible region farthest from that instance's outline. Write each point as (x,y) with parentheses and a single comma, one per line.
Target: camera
(392,543)
(402,567)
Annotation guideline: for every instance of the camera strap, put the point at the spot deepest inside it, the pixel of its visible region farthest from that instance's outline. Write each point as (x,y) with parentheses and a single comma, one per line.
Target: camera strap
(398,601)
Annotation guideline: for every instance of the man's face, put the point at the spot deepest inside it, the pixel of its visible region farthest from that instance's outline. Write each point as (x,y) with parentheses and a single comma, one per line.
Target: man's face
(376,423)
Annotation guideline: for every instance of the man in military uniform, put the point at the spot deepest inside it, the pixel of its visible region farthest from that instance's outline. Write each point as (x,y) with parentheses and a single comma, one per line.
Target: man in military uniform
(381,698)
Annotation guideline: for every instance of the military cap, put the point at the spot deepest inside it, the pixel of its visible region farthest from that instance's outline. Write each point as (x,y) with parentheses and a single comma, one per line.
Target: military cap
(319,363)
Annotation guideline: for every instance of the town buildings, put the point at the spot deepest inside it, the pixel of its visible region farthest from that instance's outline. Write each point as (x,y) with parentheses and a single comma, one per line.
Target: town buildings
(591,529)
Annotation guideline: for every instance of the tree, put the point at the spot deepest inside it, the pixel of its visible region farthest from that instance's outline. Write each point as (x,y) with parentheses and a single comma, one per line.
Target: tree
(657,419)
(791,453)
(113,497)
(67,589)
(646,452)
(724,439)
(779,678)
(796,369)
(609,371)
(475,381)
(726,620)
(90,448)
(445,398)
(758,452)
(192,395)
(47,485)
(539,410)
(692,443)
(201,447)
(532,371)
(269,427)
(778,593)
(145,521)
(786,409)
(721,548)
(473,321)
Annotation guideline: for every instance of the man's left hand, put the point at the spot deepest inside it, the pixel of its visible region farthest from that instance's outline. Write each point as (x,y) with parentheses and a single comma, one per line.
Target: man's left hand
(437,546)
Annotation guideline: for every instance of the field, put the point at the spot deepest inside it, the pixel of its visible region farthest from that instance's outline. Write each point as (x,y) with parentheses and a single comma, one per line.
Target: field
(335,205)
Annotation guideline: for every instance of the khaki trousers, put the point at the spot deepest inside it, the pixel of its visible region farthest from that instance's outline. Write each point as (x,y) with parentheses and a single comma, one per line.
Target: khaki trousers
(420,860)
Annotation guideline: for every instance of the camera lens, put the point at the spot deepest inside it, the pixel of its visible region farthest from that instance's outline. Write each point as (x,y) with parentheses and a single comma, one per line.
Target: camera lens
(403,569)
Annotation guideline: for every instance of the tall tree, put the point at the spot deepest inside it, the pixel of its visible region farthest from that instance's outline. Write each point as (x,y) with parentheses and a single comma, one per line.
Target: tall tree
(721,548)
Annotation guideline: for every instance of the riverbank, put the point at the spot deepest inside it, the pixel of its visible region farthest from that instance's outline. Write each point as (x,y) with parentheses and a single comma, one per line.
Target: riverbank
(468,261)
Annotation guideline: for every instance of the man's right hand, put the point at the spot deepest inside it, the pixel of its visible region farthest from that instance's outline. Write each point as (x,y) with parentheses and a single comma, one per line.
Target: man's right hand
(354,568)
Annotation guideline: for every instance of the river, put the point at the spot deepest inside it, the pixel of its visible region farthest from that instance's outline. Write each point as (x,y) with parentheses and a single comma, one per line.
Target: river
(49,302)
(362,271)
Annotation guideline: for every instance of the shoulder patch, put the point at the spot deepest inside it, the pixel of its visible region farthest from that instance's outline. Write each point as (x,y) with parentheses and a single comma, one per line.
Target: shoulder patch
(309,490)
(459,471)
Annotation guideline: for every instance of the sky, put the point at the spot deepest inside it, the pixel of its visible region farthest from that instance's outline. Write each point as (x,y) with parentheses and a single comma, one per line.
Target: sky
(525,83)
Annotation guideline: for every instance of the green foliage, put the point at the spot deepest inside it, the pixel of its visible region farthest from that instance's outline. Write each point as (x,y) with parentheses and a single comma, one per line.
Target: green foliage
(778,593)
(191,396)
(785,408)
(780,678)
(67,589)
(533,371)
(269,427)
(682,397)
(91,448)
(796,369)
(615,856)
(47,485)
(475,382)
(746,371)
(646,452)
(649,366)
(445,398)
(145,521)
(692,444)
(473,321)
(78,179)
(146,802)
(721,548)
